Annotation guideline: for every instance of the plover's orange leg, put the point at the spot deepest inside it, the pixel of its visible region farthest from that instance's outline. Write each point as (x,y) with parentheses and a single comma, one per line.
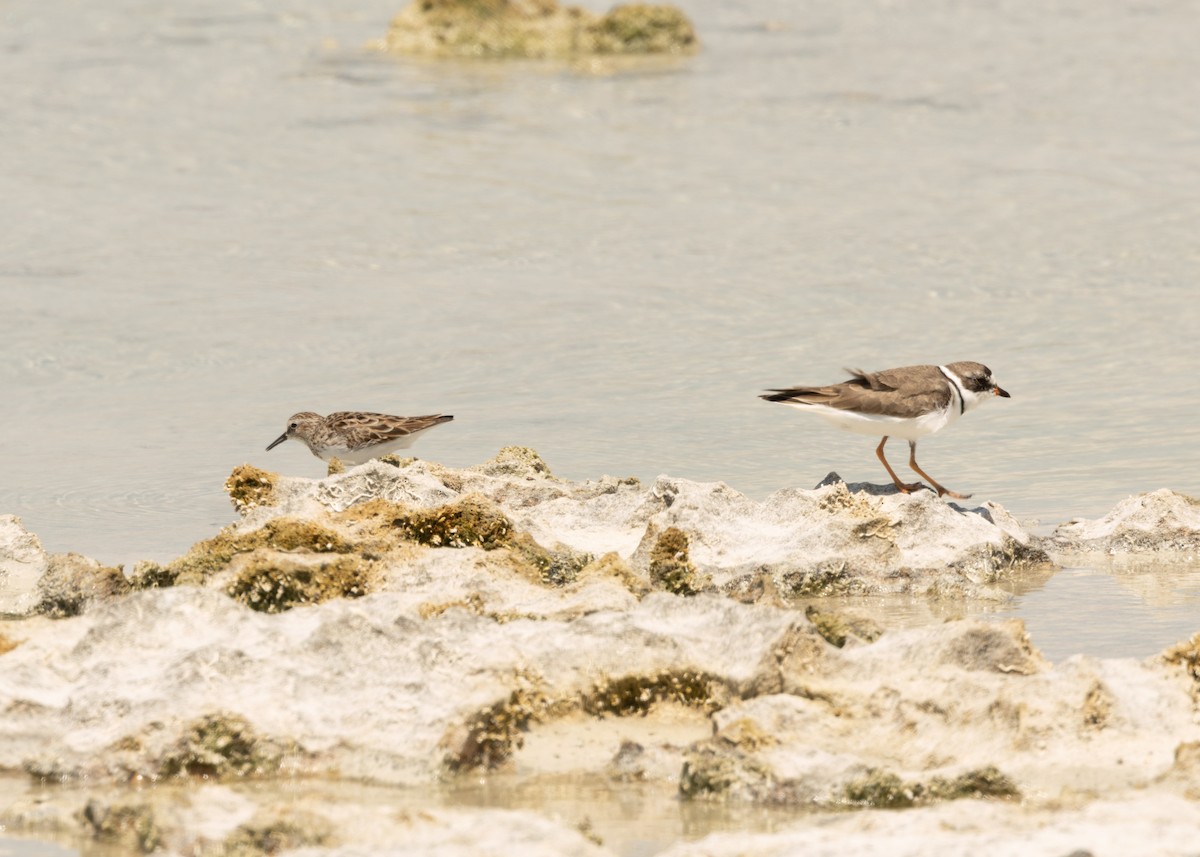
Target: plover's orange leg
(912,462)
(903,488)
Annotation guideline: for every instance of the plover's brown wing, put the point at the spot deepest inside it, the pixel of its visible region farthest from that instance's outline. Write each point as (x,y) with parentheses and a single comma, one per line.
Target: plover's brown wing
(906,393)
(870,380)
(361,428)
(906,379)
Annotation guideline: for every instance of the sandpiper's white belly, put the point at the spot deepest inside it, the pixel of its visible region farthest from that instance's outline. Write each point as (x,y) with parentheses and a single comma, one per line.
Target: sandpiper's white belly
(366,453)
(878,425)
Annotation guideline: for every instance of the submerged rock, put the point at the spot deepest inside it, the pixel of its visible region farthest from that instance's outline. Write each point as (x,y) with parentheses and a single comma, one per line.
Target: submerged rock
(536,29)
(1161,521)
(1142,825)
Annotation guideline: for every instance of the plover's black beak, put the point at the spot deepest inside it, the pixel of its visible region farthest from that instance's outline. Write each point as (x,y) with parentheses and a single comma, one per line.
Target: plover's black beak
(283,437)
(999,392)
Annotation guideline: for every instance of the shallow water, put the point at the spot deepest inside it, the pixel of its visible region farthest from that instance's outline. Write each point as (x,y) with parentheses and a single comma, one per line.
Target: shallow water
(1113,613)
(32,848)
(224,213)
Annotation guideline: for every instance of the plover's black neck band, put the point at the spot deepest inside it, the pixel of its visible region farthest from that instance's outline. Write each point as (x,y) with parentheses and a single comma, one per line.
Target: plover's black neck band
(957,387)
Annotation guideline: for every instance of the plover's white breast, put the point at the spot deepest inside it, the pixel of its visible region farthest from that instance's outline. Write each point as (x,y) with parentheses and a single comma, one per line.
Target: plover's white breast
(878,425)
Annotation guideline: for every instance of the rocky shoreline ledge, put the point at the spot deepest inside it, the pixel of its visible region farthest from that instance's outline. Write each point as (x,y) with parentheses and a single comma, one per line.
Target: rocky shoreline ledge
(405,624)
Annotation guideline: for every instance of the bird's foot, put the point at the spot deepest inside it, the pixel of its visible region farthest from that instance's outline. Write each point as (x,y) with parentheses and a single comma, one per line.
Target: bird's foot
(946,492)
(909,487)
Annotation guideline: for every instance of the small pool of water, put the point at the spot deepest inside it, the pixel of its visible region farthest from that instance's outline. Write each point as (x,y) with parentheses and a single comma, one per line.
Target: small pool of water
(1121,610)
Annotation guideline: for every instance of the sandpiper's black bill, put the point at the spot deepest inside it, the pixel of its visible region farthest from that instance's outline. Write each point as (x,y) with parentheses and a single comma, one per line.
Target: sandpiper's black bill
(999,392)
(283,437)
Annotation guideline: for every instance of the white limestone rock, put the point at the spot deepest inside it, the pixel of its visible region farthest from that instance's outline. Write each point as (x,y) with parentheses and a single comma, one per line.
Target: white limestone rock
(1162,521)
(835,539)
(22,564)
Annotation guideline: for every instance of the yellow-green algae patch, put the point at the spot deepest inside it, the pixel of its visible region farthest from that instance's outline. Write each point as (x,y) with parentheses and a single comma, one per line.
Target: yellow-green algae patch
(637,694)
(71,582)
(1098,706)
(129,826)
(249,487)
(1186,655)
(470,521)
(641,28)
(275,584)
(671,568)
(833,577)
(493,734)
(224,746)
(474,521)
(210,556)
(612,565)
(536,29)
(885,790)
(837,627)
(514,461)
(715,772)
(490,736)
(270,832)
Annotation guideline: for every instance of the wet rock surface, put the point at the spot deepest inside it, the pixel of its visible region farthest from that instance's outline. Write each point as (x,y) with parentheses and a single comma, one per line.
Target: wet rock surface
(410,625)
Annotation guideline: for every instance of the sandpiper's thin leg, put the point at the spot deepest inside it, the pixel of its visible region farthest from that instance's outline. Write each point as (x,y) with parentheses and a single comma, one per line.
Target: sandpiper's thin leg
(902,487)
(912,462)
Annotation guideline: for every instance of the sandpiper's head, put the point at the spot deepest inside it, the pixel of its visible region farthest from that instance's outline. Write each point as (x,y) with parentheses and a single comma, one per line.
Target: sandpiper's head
(297,426)
(977,382)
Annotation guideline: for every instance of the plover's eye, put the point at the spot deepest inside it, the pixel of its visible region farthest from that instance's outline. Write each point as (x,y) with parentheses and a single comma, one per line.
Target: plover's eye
(293,426)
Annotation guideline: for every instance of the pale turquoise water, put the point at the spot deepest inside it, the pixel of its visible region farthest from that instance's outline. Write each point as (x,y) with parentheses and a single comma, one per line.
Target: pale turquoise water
(219,214)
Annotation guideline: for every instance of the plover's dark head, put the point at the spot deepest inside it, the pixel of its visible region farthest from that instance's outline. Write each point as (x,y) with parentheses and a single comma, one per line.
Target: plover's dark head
(977,380)
(297,426)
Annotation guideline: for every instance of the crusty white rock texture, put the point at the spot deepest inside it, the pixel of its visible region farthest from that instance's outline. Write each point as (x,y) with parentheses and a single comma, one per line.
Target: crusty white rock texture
(1159,522)
(835,539)
(22,564)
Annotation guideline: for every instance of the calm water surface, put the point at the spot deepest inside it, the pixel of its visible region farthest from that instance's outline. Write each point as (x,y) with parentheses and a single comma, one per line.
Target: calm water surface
(217,214)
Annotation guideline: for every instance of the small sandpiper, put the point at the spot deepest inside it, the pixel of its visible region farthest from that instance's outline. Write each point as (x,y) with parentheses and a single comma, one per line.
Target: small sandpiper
(353,437)
(909,402)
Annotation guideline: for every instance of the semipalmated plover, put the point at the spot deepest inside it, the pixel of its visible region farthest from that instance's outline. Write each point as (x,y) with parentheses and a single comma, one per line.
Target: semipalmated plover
(356,436)
(909,402)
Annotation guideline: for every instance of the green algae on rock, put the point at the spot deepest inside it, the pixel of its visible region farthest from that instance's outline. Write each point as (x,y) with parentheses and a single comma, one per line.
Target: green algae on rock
(670,567)
(473,521)
(1186,655)
(131,826)
(224,746)
(249,487)
(886,790)
(489,738)
(514,461)
(838,627)
(535,29)
(636,694)
(469,522)
(712,773)
(208,557)
(273,585)
(72,581)
(276,831)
